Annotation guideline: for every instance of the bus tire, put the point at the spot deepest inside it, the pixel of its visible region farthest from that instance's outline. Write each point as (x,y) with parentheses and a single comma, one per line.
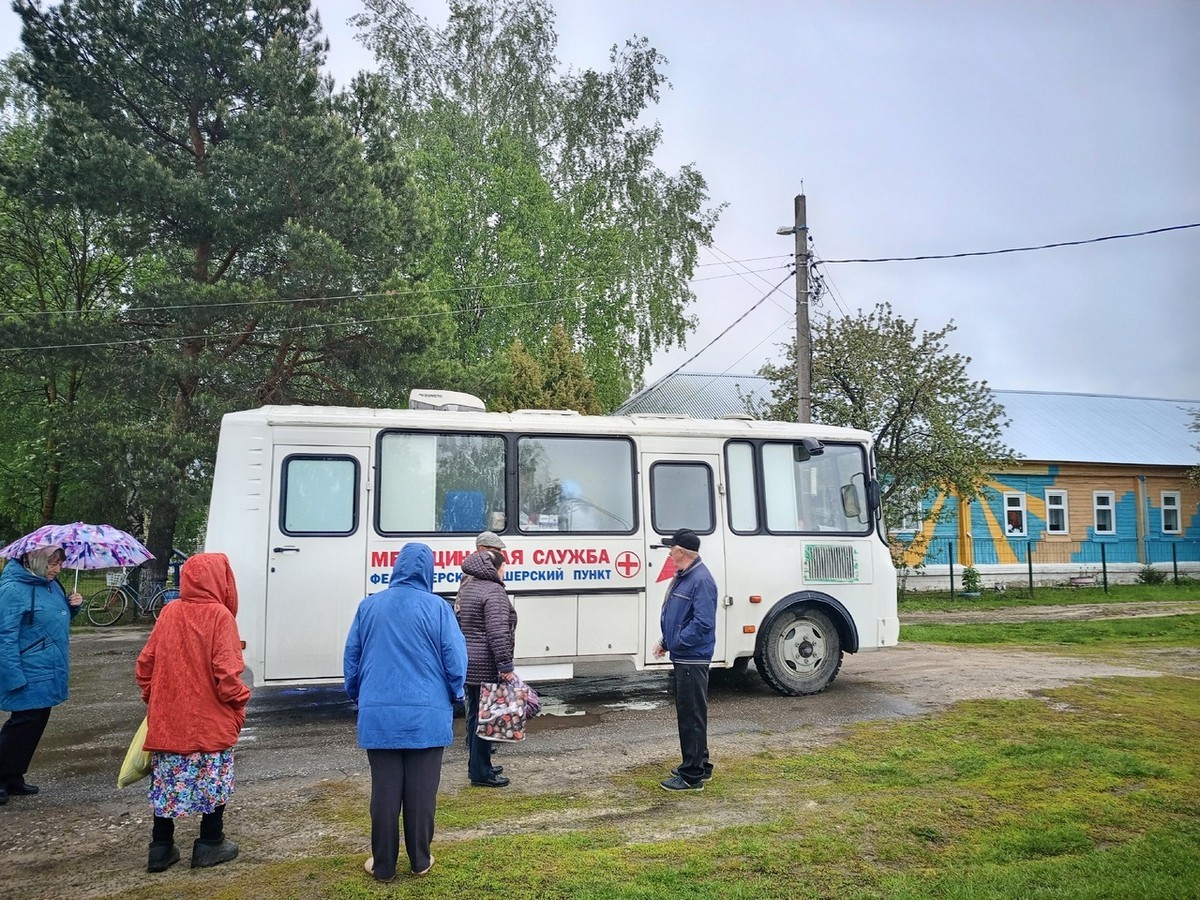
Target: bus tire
(800,653)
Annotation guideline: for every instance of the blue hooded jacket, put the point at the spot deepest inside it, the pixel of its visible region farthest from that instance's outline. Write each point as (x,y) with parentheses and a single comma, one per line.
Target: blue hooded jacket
(35,621)
(406,660)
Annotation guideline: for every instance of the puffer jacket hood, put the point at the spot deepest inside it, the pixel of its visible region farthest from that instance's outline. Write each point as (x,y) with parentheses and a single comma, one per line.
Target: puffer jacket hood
(479,565)
(414,568)
(208,578)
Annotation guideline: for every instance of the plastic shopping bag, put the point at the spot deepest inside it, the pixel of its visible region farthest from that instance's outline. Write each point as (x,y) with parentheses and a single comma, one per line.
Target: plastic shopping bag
(137,764)
(533,703)
(502,712)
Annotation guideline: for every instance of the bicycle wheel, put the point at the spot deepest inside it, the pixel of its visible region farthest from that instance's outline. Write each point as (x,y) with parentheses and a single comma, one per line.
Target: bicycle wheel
(106,606)
(161,599)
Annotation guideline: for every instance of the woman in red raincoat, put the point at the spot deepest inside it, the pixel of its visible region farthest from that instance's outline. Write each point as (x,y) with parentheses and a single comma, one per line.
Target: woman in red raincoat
(190,673)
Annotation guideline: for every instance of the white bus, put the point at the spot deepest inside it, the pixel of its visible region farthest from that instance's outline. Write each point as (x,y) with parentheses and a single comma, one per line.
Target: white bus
(312,506)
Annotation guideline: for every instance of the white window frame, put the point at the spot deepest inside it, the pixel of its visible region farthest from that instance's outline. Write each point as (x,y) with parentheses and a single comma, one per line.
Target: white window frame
(1111,507)
(1019,507)
(1176,506)
(1057,492)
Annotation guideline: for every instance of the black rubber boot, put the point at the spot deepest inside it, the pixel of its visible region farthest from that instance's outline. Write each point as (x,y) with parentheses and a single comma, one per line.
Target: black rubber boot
(163,855)
(212,853)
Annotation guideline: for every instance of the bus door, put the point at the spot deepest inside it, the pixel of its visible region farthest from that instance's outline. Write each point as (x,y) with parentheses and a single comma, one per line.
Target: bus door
(317,558)
(681,492)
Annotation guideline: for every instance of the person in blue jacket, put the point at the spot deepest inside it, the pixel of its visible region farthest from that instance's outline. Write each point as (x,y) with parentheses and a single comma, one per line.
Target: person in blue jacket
(405,665)
(689,629)
(35,621)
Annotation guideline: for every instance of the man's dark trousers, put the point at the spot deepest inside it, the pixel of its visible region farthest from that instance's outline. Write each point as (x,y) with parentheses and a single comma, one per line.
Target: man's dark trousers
(691,710)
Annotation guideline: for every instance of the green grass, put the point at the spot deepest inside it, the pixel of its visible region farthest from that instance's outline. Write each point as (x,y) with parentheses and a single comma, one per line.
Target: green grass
(1095,794)
(1057,596)
(1116,634)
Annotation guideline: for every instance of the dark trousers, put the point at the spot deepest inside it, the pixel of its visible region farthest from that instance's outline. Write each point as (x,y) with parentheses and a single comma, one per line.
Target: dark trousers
(691,710)
(479,751)
(18,739)
(403,783)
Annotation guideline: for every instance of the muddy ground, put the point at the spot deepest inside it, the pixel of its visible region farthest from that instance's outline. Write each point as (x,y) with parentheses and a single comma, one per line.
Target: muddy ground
(82,837)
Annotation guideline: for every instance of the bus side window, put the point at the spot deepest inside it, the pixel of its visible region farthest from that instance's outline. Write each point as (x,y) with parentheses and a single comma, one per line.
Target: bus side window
(682,497)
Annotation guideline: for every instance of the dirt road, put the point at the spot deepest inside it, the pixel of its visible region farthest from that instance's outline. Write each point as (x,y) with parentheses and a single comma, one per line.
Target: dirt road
(82,837)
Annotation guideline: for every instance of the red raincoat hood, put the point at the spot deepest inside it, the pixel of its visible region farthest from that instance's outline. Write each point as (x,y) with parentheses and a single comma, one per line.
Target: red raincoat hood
(208,578)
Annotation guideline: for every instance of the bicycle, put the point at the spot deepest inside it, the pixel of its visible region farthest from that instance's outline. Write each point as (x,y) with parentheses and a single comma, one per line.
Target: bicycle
(109,604)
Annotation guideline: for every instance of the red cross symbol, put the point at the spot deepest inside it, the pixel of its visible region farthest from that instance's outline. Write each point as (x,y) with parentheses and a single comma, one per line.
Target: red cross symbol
(628,564)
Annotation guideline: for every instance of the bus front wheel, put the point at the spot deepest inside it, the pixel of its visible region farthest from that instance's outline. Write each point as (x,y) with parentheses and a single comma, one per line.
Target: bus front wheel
(800,653)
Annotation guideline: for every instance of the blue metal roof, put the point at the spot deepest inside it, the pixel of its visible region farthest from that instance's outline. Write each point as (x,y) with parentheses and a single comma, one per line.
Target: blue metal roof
(1045,427)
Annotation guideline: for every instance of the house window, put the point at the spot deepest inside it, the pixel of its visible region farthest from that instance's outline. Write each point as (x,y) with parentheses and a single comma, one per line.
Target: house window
(1170,512)
(912,519)
(1056,512)
(1014,515)
(1104,506)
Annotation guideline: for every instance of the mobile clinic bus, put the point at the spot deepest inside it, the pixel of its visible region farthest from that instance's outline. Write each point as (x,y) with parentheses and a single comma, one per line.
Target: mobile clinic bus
(312,506)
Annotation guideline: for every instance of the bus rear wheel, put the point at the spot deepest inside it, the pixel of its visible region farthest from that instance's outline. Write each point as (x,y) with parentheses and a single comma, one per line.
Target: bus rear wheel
(800,653)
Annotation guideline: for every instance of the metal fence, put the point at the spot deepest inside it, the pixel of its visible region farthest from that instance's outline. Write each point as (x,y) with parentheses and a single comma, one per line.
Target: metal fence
(1016,562)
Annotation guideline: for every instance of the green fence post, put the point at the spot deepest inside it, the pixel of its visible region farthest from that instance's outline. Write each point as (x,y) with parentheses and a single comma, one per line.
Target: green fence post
(1029,563)
(950,544)
(1104,566)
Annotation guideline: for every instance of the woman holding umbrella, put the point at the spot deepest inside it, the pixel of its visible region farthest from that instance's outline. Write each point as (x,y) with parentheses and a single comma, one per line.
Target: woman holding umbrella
(35,621)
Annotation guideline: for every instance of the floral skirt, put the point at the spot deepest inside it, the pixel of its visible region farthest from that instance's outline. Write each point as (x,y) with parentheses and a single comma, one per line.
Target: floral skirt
(187,784)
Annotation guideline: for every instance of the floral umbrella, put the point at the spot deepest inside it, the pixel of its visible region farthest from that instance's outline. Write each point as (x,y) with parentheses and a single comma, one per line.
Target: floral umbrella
(86,546)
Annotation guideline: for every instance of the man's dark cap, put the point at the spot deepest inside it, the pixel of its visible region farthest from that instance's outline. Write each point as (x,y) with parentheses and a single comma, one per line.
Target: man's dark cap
(685,538)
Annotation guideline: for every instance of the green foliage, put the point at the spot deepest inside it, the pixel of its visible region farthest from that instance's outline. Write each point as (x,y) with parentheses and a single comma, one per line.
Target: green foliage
(546,203)
(935,428)
(1151,575)
(266,246)
(971,581)
(554,380)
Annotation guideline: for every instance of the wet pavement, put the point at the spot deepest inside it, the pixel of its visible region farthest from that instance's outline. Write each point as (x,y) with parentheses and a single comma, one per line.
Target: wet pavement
(308,732)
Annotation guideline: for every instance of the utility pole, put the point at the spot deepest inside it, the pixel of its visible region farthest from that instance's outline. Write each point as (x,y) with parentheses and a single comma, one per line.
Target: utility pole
(803,333)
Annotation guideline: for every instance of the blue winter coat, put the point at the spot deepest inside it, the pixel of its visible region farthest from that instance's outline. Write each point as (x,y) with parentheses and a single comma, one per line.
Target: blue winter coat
(689,615)
(405,660)
(34,660)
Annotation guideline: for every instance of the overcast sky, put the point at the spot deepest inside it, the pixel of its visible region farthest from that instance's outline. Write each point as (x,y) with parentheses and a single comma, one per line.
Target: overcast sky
(923,128)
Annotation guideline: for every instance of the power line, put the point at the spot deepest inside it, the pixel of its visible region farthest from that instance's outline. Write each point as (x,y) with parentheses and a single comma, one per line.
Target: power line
(729,327)
(366,295)
(1109,237)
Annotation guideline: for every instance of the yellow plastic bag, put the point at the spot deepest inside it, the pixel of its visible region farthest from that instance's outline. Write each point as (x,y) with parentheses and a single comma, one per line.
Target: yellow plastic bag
(137,763)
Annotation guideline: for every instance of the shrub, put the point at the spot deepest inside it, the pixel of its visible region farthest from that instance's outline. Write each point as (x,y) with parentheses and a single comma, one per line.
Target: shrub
(1151,575)
(971,582)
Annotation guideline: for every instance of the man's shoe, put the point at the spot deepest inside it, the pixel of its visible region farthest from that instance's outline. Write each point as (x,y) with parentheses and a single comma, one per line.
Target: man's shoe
(426,870)
(163,855)
(369,865)
(20,789)
(707,776)
(213,853)
(494,781)
(676,783)
(497,770)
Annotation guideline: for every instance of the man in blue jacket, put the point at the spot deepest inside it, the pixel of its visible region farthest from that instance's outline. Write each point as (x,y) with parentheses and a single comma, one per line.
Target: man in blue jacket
(689,628)
(405,665)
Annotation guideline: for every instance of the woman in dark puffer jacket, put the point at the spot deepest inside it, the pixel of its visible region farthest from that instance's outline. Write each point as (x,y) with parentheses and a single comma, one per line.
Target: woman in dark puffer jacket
(489,623)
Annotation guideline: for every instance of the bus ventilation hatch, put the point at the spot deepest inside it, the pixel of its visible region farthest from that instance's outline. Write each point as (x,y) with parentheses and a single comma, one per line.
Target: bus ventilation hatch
(830,563)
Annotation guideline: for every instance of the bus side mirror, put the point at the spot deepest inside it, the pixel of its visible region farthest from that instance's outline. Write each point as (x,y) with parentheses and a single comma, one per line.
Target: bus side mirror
(850,504)
(806,449)
(873,499)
